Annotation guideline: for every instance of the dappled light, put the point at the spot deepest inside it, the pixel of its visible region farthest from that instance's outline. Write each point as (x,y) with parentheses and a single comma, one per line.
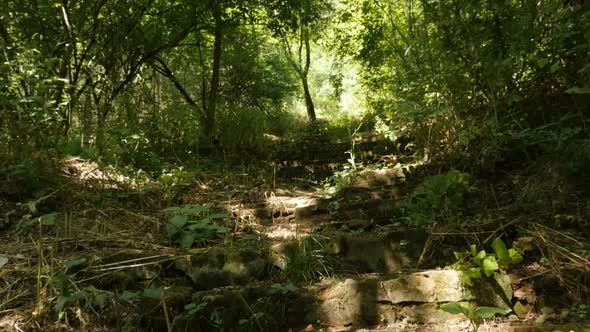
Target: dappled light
(295,165)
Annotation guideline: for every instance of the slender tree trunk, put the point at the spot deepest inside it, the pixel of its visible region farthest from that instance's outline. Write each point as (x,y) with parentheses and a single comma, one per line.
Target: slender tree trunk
(304,73)
(308,101)
(209,121)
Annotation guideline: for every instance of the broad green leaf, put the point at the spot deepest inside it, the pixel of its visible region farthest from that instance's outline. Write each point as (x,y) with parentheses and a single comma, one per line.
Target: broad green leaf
(515,256)
(489,265)
(466,279)
(172,209)
(290,287)
(175,225)
(479,257)
(221,229)
(189,209)
(49,219)
(487,312)
(172,230)
(129,296)
(474,273)
(197,227)
(179,221)
(456,308)
(62,300)
(75,262)
(217,216)
(195,210)
(501,252)
(473,249)
(153,293)
(187,240)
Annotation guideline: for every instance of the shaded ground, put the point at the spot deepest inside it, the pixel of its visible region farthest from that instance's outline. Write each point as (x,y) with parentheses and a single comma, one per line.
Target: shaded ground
(288,253)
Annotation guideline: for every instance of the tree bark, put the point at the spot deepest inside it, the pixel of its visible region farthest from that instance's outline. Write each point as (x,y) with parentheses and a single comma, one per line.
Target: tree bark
(209,120)
(304,74)
(308,101)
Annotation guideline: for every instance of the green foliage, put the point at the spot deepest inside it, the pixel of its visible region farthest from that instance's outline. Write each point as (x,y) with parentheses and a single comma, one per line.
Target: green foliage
(438,199)
(74,147)
(193,223)
(175,177)
(475,264)
(307,261)
(31,111)
(339,180)
(284,289)
(199,309)
(474,313)
(452,75)
(149,293)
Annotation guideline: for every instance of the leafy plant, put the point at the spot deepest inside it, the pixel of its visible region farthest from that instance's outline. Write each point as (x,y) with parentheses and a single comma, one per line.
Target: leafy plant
(175,177)
(338,181)
(475,264)
(201,308)
(438,199)
(64,282)
(475,314)
(192,223)
(284,288)
(306,260)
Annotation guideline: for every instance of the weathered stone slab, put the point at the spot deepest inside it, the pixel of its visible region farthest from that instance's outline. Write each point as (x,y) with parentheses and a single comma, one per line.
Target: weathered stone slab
(429,286)
(366,301)
(214,268)
(368,179)
(426,313)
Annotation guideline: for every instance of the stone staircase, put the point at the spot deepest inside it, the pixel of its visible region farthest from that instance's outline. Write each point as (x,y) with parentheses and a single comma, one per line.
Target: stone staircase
(353,270)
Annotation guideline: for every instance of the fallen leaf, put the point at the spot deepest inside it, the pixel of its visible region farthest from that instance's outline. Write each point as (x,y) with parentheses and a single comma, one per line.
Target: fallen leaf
(525,292)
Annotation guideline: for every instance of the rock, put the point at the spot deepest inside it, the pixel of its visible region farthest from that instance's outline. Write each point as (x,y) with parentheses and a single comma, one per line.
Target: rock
(214,269)
(433,286)
(427,313)
(368,179)
(360,302)
(349,303)
(280,253)
(494,292)
(381,253)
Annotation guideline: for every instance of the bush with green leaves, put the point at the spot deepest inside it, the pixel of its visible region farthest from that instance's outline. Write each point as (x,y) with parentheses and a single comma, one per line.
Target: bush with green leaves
(453,75)
(474,313)
(194,223)
(438,199)
(306,260)
(475,264)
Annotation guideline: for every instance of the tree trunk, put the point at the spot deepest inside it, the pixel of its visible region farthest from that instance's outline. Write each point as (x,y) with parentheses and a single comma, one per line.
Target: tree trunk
(304,73)
(308,101)
(209,122)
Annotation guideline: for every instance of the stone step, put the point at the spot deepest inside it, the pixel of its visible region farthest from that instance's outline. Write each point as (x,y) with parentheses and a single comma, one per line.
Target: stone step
(350,304)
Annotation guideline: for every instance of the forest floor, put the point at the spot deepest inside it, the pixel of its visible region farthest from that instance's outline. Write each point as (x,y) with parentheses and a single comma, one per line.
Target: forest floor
(276,247)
